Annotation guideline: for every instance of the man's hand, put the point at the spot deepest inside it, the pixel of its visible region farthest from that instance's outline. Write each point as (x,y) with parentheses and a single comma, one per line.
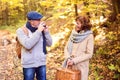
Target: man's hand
(41,26)
(46,28)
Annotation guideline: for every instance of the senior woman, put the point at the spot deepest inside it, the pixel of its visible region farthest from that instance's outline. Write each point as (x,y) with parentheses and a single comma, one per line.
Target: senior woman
(79,48)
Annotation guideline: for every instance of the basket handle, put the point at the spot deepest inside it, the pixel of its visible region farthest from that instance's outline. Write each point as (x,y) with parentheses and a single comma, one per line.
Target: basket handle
(68,66)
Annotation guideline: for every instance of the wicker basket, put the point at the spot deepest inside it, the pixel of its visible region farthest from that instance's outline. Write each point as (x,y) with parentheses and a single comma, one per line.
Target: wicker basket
(67,74)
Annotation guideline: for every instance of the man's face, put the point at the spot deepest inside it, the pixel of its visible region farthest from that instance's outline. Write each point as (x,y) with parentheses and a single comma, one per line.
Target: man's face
(35,23)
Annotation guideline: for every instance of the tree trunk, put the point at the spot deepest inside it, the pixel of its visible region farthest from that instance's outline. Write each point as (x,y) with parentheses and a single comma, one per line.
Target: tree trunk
(5,15)
(115,9)
(76,10)
(25,8)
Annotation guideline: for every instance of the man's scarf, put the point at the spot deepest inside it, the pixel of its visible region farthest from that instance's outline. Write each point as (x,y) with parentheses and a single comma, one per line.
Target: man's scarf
(32,29)
(76,37)
(29,26)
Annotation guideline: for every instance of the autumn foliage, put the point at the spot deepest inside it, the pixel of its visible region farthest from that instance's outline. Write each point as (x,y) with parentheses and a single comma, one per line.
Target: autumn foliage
(105,18)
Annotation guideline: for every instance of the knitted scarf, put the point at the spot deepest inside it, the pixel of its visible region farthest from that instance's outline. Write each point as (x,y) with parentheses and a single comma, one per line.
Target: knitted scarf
(32,29)
(76,37)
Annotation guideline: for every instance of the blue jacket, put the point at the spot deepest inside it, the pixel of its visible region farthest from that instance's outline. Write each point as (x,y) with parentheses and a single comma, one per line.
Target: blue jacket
(32,51)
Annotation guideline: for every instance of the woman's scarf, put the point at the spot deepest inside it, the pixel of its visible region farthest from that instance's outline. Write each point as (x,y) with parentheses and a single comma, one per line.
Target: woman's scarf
(76,37)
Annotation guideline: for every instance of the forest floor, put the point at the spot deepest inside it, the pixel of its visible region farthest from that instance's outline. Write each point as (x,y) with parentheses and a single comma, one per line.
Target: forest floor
(11,69)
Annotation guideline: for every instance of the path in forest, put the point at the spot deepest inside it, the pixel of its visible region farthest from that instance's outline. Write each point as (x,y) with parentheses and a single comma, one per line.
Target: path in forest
(9,64)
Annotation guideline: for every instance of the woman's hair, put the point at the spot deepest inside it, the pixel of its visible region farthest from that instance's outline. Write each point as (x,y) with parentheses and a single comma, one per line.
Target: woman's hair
(85,22)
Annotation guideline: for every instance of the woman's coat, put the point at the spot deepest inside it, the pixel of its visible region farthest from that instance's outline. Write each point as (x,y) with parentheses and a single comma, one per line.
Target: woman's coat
(82,52)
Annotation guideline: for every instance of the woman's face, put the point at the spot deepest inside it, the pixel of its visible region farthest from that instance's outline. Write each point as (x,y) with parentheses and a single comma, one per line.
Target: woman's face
(78,26)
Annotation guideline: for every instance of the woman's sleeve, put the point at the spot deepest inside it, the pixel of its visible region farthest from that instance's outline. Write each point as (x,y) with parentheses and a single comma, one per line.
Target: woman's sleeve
(66,53)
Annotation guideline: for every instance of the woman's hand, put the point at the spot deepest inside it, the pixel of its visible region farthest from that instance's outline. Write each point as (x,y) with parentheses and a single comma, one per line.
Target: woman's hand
(70,62)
